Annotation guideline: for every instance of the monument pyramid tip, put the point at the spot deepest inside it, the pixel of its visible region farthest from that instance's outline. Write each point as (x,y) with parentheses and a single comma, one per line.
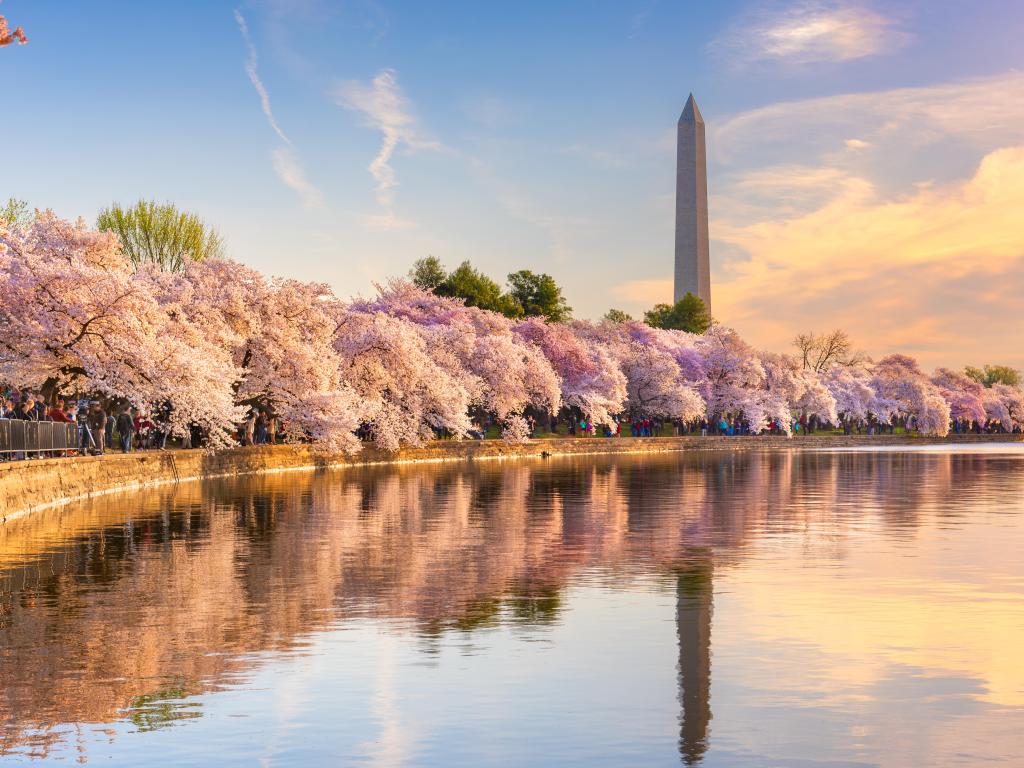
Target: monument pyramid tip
(691,114)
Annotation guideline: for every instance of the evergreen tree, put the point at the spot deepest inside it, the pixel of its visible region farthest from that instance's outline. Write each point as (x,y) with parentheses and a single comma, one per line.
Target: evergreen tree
(617,316)
(538,295)
(427,273)
(688,314)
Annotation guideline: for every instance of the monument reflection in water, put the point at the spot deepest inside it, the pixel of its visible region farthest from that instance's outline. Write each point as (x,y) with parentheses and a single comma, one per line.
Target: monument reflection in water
(867,610)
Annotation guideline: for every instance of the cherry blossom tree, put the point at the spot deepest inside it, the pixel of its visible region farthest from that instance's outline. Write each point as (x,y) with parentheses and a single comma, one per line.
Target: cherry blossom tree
(405,393)
(504,372)
(964,395)
(737,383)
(280,336)
(1004,404)
(589,378)
(793,388)
(516,430)
(9,36)
(850,387)
(899,379)
(656,383)
(76,320)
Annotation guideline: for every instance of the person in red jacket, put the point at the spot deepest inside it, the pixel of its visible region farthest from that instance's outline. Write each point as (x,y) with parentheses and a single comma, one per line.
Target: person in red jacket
(57,413)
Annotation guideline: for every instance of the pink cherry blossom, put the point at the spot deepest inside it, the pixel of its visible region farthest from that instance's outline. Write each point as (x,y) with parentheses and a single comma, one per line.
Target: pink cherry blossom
(219,339)
(1005,405)
(850,387)
(76,316)
(964,395)
(589,378)
(898,379)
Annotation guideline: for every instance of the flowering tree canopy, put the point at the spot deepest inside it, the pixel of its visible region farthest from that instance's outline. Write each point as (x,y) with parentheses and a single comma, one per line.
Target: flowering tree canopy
(964,395)
(899,379)
(76,319)
(210,341)
(850,387)
(1005,404)
(404,392)
(590,379)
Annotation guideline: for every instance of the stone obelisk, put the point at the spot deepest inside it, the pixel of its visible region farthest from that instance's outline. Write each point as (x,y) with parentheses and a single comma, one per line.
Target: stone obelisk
(693,268)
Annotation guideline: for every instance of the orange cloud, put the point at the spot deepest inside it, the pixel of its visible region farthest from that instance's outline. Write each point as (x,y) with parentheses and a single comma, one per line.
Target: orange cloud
(937,272)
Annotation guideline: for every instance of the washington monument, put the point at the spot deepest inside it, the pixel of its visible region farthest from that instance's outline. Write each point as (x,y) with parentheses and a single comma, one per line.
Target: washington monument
(693,268)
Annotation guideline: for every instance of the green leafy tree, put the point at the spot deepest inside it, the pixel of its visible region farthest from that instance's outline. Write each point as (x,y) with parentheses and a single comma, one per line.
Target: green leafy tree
(617,316)
(15,213)
(994,374)
(159,233)
(539,296)
(477,290)
(687,314)
(531,294)
(428,273)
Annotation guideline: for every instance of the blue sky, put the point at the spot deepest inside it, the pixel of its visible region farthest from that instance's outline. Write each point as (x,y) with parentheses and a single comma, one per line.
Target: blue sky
(540,135)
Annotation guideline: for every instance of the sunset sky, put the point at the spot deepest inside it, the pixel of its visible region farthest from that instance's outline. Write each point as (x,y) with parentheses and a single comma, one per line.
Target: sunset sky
(866,160)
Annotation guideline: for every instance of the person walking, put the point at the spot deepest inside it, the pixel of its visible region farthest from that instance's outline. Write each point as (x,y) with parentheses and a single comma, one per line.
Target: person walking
(98,426)
(108,431)
(262,428)
(41,410)
(249,429)
(125,429)
(145,432)
(163,425)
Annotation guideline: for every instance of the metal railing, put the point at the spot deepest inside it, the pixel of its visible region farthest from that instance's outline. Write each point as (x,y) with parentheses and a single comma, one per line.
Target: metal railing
(34,437)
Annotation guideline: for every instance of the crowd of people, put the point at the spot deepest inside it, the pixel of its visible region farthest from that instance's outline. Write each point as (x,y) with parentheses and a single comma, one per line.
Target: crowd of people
(104,426)
(100,427)
(111,426)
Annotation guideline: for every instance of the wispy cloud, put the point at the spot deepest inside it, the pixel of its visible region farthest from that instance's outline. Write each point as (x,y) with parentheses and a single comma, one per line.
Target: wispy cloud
(288,169)
(809,32)
(566,234)
(982,112)
(385,108)
(285,161)
(254,77)
(638,20)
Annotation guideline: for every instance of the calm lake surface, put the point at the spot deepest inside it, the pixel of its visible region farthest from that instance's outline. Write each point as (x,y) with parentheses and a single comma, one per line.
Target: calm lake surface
(826,608)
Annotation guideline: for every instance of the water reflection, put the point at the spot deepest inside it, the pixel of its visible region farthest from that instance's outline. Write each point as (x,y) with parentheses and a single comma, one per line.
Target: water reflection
(693,624)
(124,614)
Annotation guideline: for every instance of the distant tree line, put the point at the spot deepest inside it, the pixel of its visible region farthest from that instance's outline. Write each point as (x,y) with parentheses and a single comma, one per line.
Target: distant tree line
(990,375)
(529,294)
(689,314)
(164,235)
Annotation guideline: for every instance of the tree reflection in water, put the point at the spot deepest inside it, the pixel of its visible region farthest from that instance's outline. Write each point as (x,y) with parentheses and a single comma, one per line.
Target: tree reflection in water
(126,606)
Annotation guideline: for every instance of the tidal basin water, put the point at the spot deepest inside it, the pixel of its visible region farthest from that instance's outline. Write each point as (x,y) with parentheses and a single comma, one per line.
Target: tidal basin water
(759,609)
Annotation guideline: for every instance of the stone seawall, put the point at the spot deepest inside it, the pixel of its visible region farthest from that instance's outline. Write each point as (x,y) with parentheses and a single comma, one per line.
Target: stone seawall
(27,486)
